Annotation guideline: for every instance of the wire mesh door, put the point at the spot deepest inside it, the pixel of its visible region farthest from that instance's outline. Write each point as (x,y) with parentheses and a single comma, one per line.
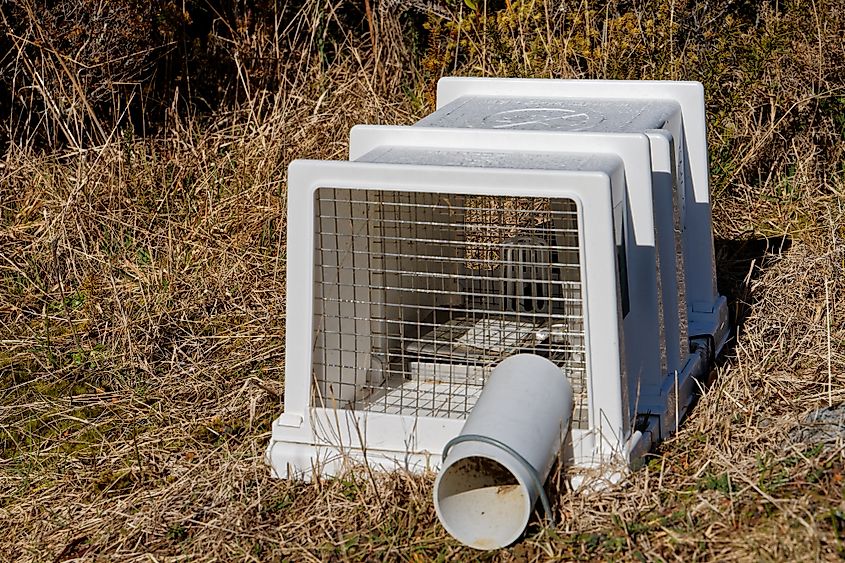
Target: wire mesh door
(418,296)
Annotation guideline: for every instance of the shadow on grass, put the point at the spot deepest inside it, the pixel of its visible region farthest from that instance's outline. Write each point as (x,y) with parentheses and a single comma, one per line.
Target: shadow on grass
(739,262)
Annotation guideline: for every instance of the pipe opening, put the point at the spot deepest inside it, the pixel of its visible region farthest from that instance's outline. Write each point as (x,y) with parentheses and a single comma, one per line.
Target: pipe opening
(482,503)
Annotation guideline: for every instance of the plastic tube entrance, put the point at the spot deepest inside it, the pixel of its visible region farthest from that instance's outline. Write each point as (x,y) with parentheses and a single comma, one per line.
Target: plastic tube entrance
(493,472)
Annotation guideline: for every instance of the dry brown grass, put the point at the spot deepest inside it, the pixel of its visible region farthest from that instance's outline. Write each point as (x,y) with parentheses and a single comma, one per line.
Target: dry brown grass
(142,309)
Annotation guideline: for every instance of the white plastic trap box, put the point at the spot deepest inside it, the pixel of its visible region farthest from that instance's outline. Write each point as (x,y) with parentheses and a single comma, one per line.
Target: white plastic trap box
(564,219)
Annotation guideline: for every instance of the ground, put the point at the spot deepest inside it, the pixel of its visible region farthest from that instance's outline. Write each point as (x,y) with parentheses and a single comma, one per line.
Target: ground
(142,291)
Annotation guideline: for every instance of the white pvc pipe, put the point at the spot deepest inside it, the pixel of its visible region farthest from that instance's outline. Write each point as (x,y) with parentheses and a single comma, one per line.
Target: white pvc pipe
(484,494)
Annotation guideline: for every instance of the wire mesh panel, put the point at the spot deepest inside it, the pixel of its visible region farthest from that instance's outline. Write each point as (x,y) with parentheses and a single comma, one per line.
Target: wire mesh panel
(418,296)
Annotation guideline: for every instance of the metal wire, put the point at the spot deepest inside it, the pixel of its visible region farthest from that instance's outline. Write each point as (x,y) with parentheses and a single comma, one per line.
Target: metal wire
(419,295)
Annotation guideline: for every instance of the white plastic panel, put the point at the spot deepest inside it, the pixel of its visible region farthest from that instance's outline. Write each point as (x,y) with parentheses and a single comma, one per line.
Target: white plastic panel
(591,192)
(671,250)
(688,131)
(552,114)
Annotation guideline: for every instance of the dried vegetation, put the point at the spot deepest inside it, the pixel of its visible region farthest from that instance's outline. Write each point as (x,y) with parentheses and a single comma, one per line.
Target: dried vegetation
(142,270)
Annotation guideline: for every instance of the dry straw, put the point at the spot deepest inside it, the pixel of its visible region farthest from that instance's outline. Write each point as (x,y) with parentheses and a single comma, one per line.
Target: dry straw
(142,291)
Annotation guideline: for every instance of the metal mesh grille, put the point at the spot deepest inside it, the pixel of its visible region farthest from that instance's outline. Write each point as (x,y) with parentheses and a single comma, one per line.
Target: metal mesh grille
(418,296)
